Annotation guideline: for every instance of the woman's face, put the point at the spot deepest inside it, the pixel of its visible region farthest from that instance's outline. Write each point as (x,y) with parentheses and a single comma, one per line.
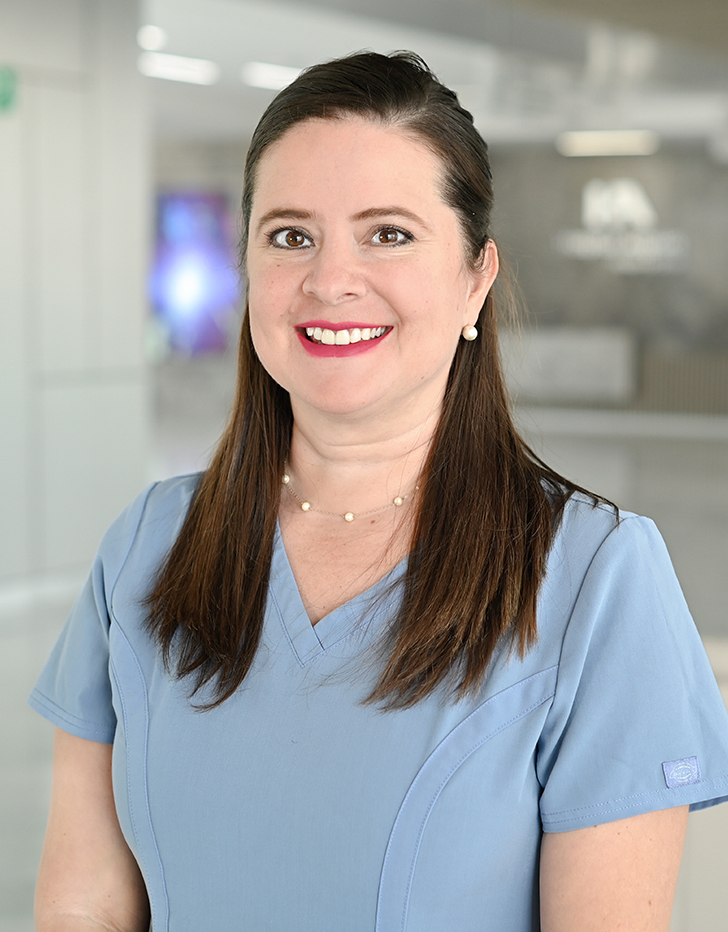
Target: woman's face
(358,285)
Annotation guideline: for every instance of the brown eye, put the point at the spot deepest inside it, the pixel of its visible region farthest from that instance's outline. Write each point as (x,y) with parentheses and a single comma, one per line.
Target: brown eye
(391,236)
(289,239)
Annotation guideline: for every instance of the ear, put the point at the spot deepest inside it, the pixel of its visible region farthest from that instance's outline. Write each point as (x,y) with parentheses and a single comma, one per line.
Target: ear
(481,280)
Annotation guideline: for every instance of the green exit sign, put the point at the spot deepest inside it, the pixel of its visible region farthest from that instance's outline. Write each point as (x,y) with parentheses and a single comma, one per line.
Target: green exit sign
(8,85)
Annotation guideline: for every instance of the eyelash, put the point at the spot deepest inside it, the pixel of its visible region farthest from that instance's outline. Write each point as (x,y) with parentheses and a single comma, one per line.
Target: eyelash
(276,233)
(407,237)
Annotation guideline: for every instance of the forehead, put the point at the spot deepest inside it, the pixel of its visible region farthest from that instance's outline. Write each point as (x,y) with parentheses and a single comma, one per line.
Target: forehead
(350,156)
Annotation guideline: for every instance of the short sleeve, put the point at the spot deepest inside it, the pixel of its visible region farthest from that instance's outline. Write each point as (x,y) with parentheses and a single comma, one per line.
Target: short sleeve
(74,687)
(637,722)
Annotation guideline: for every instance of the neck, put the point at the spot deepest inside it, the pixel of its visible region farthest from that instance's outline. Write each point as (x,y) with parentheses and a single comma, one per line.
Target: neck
(340,469)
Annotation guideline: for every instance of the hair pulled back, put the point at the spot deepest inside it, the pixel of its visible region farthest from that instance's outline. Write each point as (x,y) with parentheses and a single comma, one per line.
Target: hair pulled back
(487,508)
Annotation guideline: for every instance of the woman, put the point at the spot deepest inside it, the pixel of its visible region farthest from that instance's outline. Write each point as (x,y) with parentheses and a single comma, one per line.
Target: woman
(378,667)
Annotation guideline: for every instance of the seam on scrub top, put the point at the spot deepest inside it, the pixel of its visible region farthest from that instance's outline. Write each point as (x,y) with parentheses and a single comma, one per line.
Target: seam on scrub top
(283,625)
(69,717)
(311,656)
(364,616)
(112,591)
(128,772)
(577,594)
(278,542)
(120,629)
(442,786)
(636,797)
(112,615)
(375,605)
(358,622)
(570,621)
(479,743)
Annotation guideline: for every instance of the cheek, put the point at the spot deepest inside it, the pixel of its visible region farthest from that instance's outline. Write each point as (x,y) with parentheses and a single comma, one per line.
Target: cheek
(266,277)
(259,289)
(268,303)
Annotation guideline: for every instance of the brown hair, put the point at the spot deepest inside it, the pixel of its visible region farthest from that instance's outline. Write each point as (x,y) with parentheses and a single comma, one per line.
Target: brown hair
(488,507)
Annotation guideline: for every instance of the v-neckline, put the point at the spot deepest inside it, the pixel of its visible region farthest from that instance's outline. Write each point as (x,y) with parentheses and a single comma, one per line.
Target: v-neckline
(308,640)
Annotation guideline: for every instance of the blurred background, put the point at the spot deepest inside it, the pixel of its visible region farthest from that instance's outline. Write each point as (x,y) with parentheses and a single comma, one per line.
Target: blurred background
(123,132)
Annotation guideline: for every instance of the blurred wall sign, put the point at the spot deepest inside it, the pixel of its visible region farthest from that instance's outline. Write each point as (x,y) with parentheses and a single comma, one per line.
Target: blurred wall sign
(194,285)
(620,228)
(8,85)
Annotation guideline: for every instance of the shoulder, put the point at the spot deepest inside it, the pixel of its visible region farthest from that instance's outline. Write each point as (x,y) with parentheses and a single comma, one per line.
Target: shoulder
(611,586)
(592,530)
(155,505)
(606,564)
(147,527)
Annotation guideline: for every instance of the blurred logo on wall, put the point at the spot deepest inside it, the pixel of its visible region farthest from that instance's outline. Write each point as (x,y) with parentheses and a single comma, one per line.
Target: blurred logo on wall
(620,227)
(194,284)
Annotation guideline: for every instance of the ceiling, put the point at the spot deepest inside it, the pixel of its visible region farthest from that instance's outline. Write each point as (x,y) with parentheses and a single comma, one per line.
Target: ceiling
(697,24)
(526,72)
(702,24)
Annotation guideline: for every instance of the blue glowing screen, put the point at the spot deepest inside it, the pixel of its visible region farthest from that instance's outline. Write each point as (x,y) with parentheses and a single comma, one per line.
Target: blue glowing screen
(194,284)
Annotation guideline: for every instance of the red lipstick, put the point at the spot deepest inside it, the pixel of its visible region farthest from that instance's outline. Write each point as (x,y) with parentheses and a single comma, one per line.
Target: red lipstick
(323,350)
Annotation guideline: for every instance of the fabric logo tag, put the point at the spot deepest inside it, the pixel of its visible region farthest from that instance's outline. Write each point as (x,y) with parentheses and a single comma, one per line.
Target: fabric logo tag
(681,772)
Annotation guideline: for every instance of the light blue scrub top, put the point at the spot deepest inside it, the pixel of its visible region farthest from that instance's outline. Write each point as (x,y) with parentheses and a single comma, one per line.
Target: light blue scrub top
(293,807)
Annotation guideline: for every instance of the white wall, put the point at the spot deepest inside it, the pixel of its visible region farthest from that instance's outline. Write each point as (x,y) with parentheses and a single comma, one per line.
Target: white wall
(74,202)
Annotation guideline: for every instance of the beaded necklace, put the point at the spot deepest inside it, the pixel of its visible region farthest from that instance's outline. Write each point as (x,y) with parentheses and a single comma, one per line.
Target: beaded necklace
(349,516)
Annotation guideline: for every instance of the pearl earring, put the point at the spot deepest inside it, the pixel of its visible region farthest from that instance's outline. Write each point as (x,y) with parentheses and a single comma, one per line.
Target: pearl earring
(470,333)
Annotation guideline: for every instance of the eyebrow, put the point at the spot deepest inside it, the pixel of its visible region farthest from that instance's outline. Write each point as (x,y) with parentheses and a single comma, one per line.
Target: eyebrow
(375,213)
(371,213)
(284,213)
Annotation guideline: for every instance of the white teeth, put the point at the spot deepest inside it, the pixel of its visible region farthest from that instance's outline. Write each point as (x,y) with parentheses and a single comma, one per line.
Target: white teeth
(343,337)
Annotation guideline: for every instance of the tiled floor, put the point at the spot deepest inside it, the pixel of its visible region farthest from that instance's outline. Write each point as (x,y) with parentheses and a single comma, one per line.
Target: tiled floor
(682,484)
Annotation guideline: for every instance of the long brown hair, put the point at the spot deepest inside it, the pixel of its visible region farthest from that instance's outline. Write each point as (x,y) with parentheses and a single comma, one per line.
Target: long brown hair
(487,509)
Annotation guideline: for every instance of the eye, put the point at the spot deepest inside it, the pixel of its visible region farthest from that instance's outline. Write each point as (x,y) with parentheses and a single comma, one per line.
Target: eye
(289,238)
(391,236)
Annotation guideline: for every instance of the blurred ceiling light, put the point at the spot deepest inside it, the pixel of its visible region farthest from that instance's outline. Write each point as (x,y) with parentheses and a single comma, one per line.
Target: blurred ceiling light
(608,142)
(151,38)
(272,77)
(178,68)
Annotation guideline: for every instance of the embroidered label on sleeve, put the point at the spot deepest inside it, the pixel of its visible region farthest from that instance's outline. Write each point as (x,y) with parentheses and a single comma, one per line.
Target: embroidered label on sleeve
(681,772)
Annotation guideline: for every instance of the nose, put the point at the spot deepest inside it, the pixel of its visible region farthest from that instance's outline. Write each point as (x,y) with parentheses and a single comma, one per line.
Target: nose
(334,275)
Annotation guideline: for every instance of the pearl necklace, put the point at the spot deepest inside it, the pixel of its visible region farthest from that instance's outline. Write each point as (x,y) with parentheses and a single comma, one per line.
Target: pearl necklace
(349,516)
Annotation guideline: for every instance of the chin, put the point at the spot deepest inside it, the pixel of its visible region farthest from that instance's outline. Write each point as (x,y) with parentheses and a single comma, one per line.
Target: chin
(339,396)
(338,403)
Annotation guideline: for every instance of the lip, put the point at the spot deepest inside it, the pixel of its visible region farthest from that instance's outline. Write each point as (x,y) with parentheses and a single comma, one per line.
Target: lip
(326,350)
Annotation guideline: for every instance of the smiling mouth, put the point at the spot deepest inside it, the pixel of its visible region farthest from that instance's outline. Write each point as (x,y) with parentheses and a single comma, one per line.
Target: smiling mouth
(343,337)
